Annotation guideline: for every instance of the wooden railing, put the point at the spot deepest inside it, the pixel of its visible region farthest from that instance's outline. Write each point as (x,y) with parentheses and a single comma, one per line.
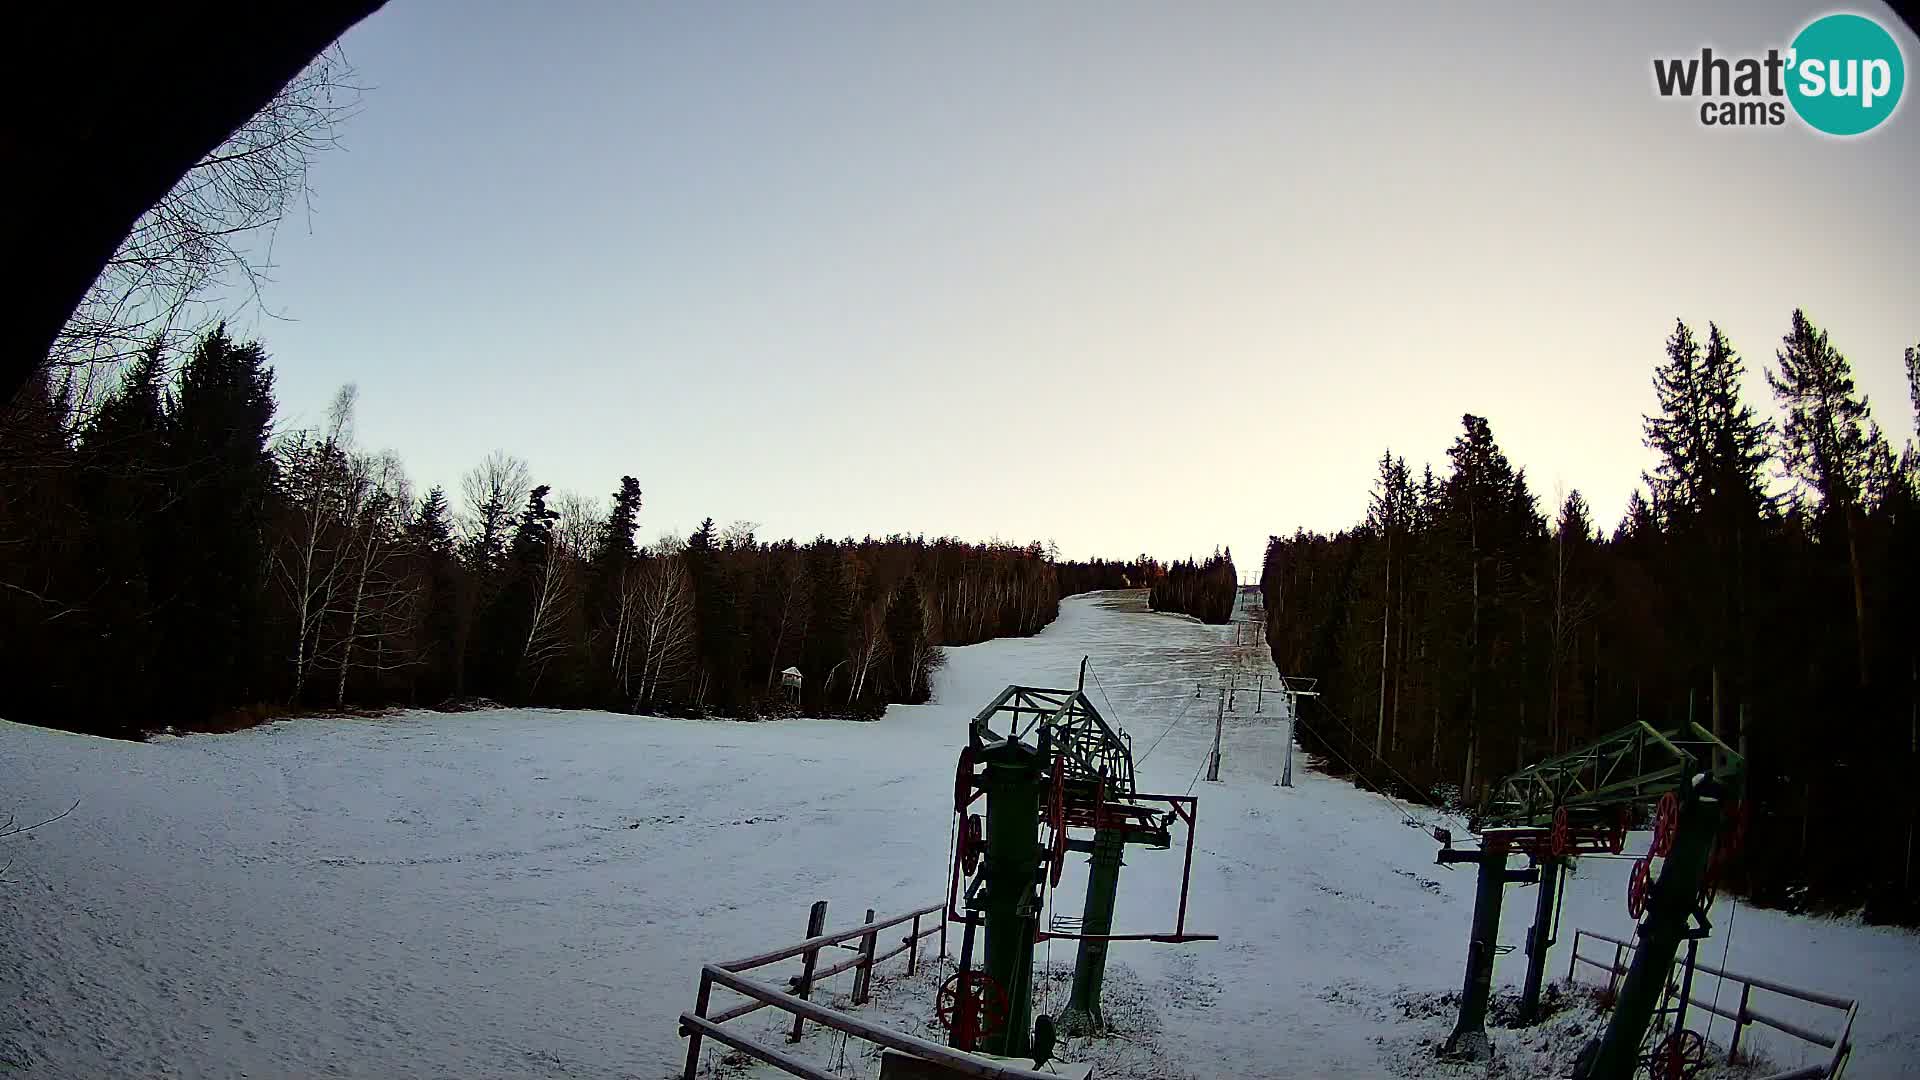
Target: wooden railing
(1743,1013)
(698,1024)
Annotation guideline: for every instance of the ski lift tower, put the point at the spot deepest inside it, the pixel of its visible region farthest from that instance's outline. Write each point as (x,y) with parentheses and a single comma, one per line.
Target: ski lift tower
(1058,763)
(1582,802)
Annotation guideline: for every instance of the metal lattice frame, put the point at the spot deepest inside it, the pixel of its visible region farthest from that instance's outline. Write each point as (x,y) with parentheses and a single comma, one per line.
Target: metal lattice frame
(1093,748)
(1632,765)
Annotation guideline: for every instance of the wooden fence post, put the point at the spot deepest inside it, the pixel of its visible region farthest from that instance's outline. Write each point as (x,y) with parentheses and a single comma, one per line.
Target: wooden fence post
(693,1037)
(1739,1021)
(913,946)
(816,925)
(863,971)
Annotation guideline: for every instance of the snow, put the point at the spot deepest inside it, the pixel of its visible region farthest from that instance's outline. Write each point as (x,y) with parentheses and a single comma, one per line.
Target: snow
(513,893)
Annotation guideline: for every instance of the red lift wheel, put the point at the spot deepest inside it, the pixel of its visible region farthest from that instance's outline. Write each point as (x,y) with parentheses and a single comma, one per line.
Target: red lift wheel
(1562,835)
(1058,857)
(1637,887)
(1617,841)
(1679,1056)
(963,780)
(1057,798)
(983,1012)
(971,843)
(1666,823)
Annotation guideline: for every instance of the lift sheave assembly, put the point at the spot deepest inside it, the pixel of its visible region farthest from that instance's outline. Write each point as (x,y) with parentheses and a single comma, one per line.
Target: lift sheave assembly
(1688,783)
(1057,778)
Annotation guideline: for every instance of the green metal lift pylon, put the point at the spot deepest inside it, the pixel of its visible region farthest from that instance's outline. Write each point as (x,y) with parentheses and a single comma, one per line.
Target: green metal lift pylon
(1469,1038)
(1009,896)
(1563,806)
(1083,1015)
(1539,938)
(1094,790)
(1671,903)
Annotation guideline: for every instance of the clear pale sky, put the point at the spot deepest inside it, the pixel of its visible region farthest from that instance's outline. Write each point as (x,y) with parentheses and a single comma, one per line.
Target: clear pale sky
(1132,277)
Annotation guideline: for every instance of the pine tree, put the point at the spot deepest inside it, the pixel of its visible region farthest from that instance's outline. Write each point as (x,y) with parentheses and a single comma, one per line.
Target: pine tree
(1488,511)
(831,617)
(430,531)
(616,536)
(718,618)
(1828,446)
(1709,487)
(1678,434)
(123,485)
(429,534)
(1388,514)
(212,534)
(907,640)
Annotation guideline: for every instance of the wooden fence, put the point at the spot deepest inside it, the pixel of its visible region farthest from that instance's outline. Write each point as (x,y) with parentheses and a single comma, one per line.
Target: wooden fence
(1743,1013)
(698,1024)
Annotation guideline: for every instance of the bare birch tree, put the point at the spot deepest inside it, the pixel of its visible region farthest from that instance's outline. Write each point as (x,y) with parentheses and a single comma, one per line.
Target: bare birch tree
(213,229)
(494,490)
(870,645)
(377,598)
(664,626)
(315,475)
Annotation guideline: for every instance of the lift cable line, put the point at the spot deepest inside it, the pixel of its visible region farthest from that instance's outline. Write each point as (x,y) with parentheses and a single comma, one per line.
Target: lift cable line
(1095,672)
(1431,802)
(1406,814)
(1168,729)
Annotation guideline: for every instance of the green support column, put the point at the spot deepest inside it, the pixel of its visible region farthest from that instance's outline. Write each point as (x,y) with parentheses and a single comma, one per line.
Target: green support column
(1469,1038)
(1013,783)
(1539,940)
(1670,903)
(1083,1014)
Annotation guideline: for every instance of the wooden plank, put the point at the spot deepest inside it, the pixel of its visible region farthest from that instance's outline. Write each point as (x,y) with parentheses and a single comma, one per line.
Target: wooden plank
(816,918)
(768,1054)
(965,1063)
(693,1044)
(737,1012)
(913,942)
(864,975)
(824,974)
(1831,1001)
(822,941)
(1712,1008)
(1790,1028)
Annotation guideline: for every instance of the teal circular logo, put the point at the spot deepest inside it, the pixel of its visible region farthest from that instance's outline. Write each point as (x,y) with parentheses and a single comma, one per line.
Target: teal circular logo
(1845,74)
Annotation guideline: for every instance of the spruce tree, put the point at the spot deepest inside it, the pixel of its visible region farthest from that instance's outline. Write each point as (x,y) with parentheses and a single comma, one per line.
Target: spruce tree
(1829,446)
(717,616)
(831,616)
(212,534)
(430,531)
(430,537)
(122,487)
(1678,433)
(906,640)
(616,536)
(1709,487)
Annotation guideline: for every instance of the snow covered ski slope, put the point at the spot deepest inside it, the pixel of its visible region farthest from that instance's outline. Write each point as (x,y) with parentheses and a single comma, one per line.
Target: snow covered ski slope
(530,893)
